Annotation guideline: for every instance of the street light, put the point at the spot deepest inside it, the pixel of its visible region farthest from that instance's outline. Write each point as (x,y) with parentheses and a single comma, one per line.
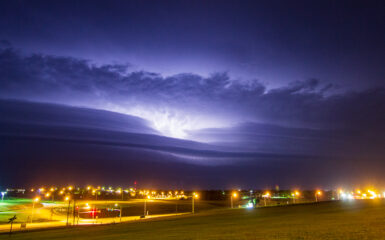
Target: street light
(37,199)
(120,191)
(267,194)
(340,194)
(120,213)
(295,195)
(318,193)
(231,198)
(67,198)
(2,195)
(194,196)
(145,205)
(47,195)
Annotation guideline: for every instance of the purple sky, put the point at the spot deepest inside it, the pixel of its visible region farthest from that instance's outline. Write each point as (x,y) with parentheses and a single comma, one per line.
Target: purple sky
(183,93)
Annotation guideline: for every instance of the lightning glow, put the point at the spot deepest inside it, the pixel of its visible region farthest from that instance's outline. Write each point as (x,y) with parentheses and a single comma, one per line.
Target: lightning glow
(174,123)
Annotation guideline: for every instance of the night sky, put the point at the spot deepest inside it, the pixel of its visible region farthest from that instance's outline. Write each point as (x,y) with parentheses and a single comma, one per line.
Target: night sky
(192,94)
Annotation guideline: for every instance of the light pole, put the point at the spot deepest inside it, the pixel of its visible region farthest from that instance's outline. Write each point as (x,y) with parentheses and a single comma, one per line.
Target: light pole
(340,192)
(193,197)
(145,206)
(318,193)
(231,198)
(295,195)
(52,190)
(33,206)
(2,195)
(68,208)
(267,194)
(120,213)
(144,213)
(95,191)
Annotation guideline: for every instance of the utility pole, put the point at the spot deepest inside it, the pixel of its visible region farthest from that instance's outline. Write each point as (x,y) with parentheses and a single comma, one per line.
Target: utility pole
(33,208)
(120,213)
(68,210)
(193,204)
(77,223)
(145,207)
(74,214)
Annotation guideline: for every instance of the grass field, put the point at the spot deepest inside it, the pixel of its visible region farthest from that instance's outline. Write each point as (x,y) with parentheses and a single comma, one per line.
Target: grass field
(22,208)
(359,219)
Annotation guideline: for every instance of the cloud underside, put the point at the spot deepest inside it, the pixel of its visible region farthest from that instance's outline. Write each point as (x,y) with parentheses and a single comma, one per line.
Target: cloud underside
(186,101)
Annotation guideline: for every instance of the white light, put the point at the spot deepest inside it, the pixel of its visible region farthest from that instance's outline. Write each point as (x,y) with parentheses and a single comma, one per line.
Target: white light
(250,205)
(173,123)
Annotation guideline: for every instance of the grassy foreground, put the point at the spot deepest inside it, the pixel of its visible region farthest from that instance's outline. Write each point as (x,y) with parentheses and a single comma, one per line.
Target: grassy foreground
(359,219)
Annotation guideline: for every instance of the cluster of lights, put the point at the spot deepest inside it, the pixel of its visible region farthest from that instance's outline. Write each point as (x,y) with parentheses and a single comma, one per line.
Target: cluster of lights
(358,194)
(48,192)
(65,192)
(162,195)
(266,195)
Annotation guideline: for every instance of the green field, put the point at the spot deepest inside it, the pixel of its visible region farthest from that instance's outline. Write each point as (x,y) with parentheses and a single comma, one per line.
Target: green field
(359,219)
(22,208)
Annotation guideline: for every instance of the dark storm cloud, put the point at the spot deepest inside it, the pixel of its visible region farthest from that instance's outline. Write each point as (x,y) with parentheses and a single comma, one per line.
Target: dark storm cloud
(43,122)
(43,114)
(307,103)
